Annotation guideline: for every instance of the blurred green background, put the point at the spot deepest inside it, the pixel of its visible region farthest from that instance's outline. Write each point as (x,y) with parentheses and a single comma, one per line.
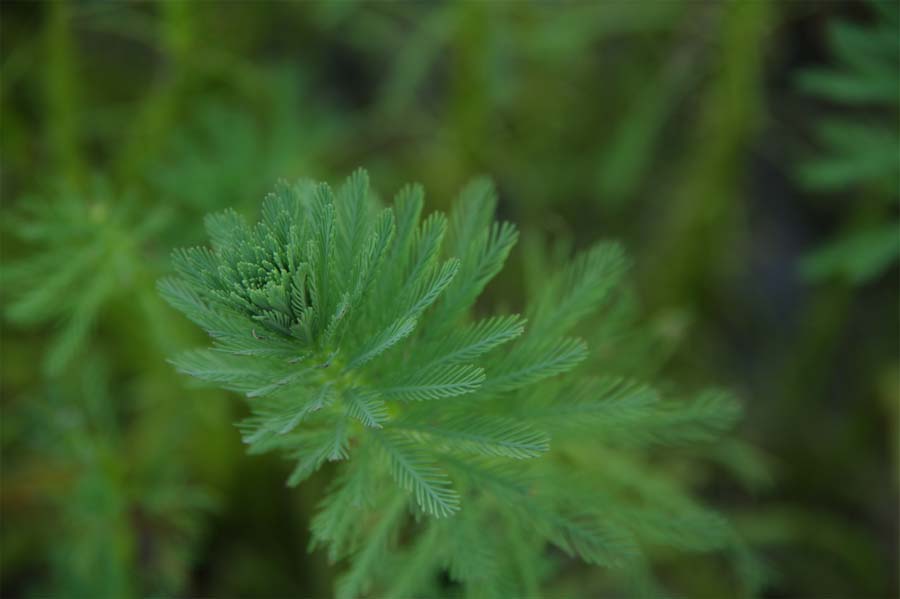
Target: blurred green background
(747,153)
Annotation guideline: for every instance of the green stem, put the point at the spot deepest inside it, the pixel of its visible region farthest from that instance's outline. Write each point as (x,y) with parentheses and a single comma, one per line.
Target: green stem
(158,111)
(704,206)
(61,97)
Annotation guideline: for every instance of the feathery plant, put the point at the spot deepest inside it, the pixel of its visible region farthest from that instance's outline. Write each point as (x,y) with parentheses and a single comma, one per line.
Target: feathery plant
(349,326)
(860,150)
(88,252)
(126,517)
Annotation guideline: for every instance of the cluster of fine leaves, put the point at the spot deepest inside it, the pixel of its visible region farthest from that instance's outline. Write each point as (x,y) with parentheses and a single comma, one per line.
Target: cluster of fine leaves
(349,327)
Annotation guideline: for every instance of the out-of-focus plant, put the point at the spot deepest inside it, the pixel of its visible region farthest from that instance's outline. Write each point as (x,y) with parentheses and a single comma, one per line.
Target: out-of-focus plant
(122,517)
(859,146)
(87,253)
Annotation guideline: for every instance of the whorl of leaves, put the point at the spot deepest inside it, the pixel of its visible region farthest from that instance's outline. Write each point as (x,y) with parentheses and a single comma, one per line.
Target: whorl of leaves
(349,327)
(316,313)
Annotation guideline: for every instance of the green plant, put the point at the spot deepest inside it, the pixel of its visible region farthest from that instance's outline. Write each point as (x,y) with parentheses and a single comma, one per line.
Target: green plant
(87,254)
(349,327)
(860,148)
(123,518)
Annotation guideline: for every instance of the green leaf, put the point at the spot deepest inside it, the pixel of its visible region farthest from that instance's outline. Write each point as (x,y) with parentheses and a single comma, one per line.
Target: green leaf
(418,566)
(408,208)
(480,435)
(479,263)
(431,287)
(237,373)
(532,361)
(480,245)
(381,342)
(331,445)
(352,220)
(415,473)
(367,561)
(858,257)
(435,383)
(366,406)
(276,416)
(471,342)
(578,290)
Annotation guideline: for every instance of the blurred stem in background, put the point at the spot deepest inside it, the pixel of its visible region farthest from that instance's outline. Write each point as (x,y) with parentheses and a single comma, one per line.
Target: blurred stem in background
(152,124)
(471,84)
(694,247)
(62,105)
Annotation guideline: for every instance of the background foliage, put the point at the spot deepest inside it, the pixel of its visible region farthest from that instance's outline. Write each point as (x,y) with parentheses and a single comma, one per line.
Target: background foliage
(746,153)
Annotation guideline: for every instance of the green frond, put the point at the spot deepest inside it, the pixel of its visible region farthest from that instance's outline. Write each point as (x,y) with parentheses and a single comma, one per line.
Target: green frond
(381,342)
(575,532)
(413,472)
(687,530)
(470,557)
(611,402)
(366,406)
(472,214)
(471,342)
(43,300)
(224,229)
(864,74)
(408,204)
(331,445)
(699,420)
(579,289)
(435,383)
(480,244)
(370,258)
(426,246)
(278,415)
(417,567)
(480,435)
(858,256)
(429,287)
(478,265)
(586,537)
(367,561)
(621,411)
(229,371)
(352,207)
(533,360)
(348,500)
(325,275)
